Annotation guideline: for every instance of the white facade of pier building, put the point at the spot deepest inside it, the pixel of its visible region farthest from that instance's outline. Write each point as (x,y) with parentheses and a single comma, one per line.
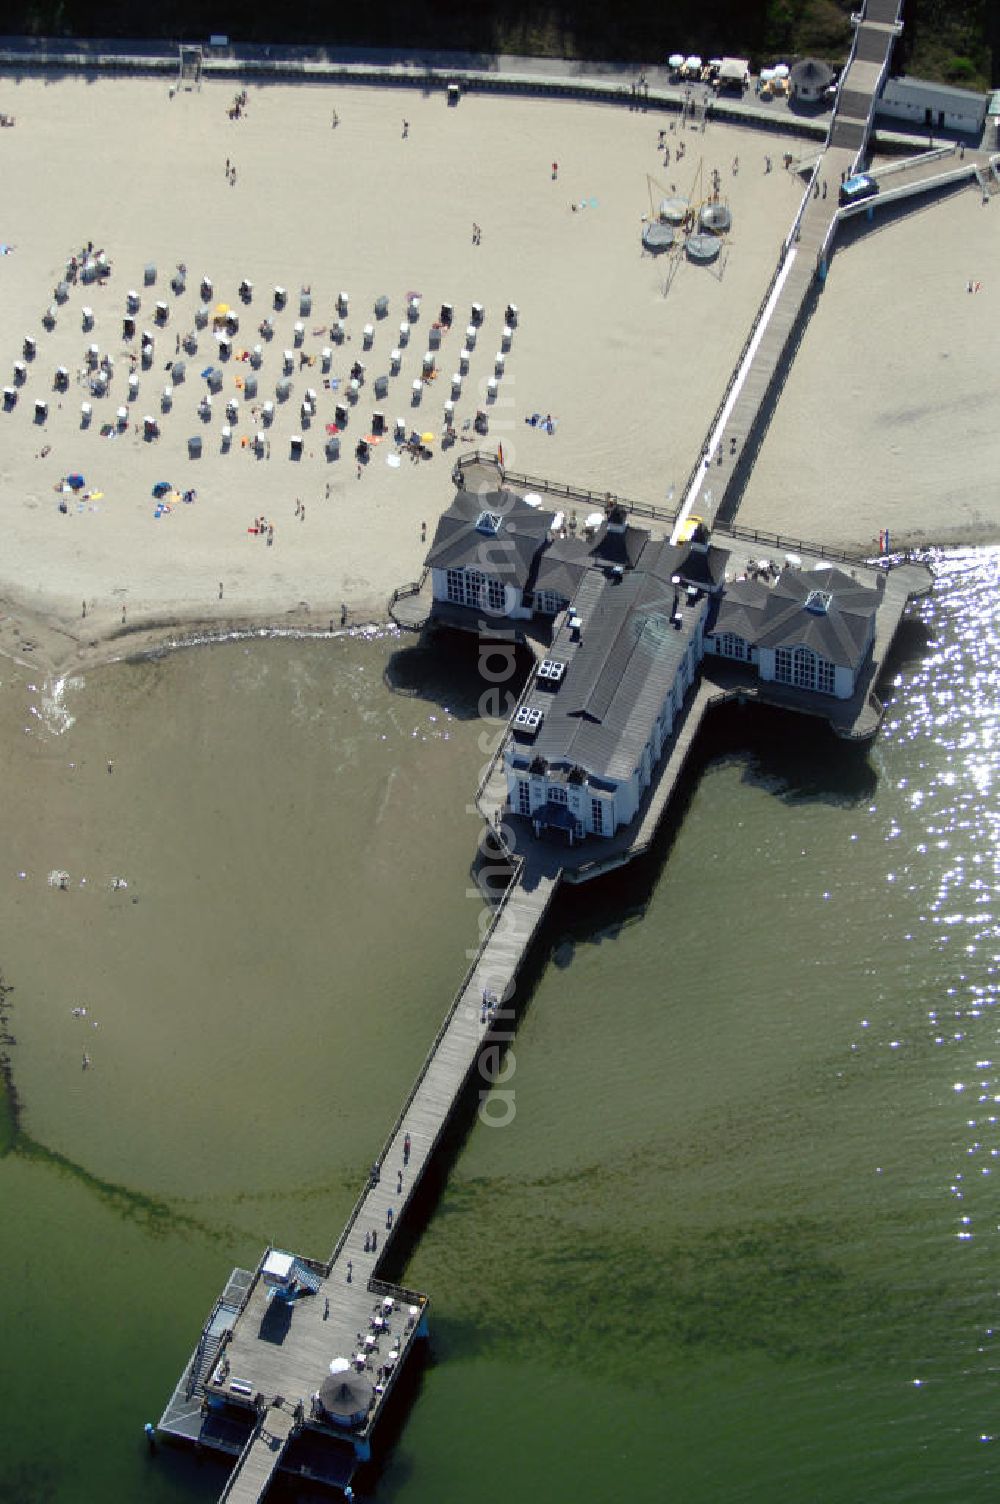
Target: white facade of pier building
(629,619)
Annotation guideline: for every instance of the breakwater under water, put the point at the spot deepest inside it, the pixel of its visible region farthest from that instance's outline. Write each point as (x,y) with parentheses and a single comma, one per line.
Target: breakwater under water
(696,1140)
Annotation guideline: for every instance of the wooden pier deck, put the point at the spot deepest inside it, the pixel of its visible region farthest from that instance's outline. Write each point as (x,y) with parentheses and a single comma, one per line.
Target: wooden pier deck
(253,1474)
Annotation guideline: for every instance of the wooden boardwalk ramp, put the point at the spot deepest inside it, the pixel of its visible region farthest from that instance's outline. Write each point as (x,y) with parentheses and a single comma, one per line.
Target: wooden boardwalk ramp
(259,1461)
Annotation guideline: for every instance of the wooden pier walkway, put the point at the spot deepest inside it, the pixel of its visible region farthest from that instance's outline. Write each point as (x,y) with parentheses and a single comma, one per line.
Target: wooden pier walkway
(264,1359)
(715,484)
(467,1031)
(253,1474)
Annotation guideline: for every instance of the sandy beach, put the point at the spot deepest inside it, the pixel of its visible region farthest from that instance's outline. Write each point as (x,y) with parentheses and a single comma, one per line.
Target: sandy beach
(884,421)
(631,376)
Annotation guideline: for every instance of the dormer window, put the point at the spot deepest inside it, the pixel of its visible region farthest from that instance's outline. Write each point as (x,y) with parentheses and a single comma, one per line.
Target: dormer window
(818,602)
(489,523)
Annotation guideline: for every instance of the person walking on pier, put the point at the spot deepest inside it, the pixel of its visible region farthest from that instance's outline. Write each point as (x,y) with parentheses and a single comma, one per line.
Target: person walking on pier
(388,1220)
(399,1182)
(406,1150)
(368,1242)
(374,1240)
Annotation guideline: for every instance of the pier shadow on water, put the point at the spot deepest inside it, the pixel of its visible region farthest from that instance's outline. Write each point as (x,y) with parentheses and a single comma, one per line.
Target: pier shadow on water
(794,758)
(444,668)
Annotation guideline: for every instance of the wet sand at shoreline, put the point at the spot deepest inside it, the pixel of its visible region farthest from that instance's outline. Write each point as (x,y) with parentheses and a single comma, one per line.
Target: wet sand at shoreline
(631,376)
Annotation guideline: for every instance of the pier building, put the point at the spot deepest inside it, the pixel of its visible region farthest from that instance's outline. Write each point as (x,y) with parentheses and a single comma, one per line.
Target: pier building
(638,632)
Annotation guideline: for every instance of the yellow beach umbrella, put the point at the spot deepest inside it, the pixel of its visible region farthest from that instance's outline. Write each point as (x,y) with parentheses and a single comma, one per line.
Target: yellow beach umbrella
(221,309)
(426,438)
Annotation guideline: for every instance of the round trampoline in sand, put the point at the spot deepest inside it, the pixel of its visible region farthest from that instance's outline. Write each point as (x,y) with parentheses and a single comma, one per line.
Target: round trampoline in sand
(717,218)
(673,210)
(657,237)
(702,248)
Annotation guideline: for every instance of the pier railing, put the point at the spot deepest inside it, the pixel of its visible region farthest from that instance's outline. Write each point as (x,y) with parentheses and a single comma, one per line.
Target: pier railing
(233,1478)
(498,749)
(580,494)
(402,592)
(730,530)
(425,1067)
(789,545)
(734,374)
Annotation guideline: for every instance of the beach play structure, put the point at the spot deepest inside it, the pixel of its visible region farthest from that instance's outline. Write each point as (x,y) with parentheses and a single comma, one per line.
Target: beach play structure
(658,237)
(672,210)
(716,218)
(702,247)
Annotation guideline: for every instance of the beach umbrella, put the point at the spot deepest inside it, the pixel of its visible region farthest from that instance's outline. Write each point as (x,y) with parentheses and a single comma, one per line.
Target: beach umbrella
(221,309)
(340,1365)
(781,70)
(346,1397)
(675,60)
(426,438)
(75,482)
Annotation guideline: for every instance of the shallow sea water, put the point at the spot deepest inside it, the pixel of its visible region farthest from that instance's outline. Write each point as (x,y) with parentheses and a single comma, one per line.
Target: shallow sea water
(739,1242)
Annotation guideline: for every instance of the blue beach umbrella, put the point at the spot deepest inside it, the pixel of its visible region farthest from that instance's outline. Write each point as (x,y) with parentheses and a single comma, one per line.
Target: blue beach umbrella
(75,482)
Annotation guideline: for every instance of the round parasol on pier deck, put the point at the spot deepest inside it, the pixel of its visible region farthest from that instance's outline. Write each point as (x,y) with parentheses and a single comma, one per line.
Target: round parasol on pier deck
(346,1397)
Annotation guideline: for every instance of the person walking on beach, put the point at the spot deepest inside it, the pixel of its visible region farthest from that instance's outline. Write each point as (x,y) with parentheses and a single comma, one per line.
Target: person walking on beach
(406,129)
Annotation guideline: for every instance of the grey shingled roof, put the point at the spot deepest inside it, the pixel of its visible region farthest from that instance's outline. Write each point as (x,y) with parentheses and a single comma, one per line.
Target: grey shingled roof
(560,566)
(776,616)
(617,676)
(510,554)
